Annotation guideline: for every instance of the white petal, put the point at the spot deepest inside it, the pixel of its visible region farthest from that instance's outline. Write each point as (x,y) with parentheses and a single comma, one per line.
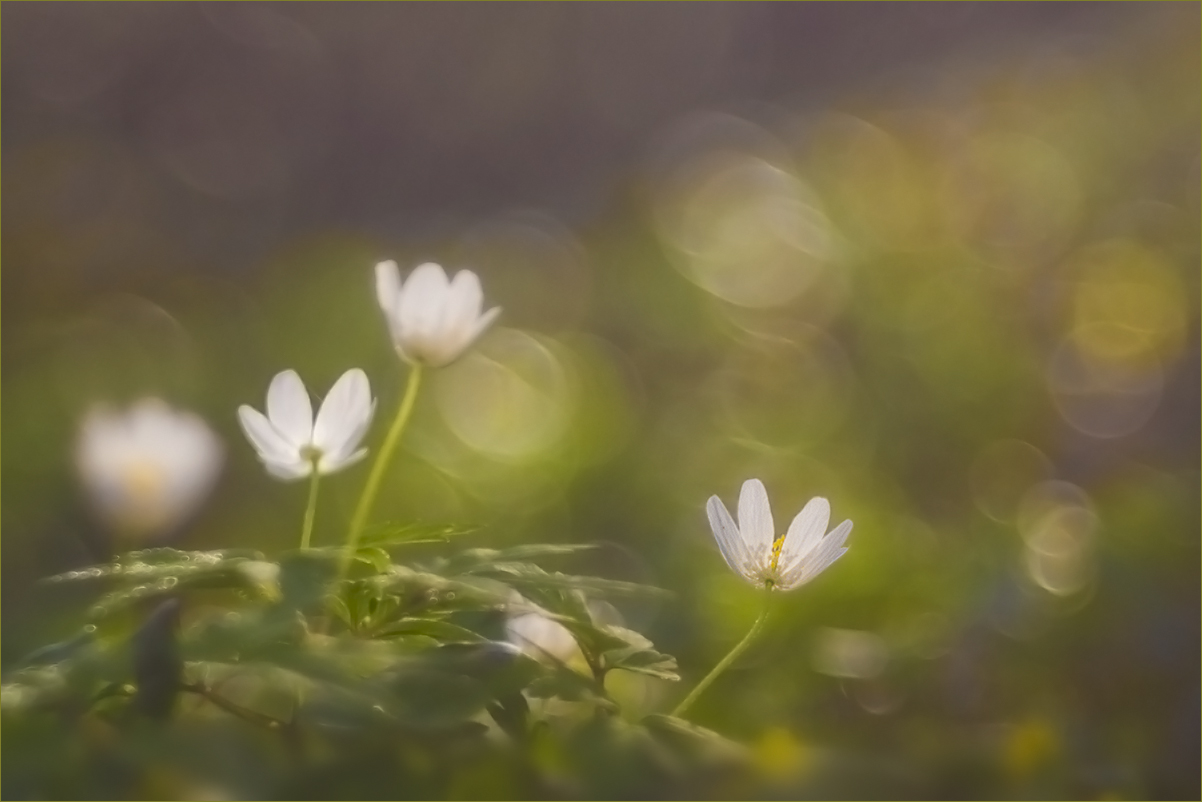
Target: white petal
(355,437)
(730,542)
(423,298)
(388,286)
(819,559)
(332,463)
(481,323)
(192,464)
(148,468)
(463,305)
(755,518)
(344,414)
(805,531)
(269,443)
(541,637)
(289,408)
(289,471)
(452,349)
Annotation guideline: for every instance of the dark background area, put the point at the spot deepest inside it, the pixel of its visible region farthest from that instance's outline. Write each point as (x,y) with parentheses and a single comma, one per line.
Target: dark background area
(935,261)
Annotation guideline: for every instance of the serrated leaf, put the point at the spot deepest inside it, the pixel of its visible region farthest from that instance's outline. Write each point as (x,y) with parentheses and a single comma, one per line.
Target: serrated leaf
(635,640)
(643,661)
(592,639)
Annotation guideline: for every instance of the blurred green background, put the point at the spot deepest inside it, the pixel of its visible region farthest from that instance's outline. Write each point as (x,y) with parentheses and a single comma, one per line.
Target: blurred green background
(938,263)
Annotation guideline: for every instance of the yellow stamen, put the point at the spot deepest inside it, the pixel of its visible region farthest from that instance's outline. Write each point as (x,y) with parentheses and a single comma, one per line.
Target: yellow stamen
(776,547)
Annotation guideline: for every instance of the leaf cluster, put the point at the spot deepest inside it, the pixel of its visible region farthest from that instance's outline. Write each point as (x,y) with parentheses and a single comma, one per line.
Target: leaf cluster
(311,664)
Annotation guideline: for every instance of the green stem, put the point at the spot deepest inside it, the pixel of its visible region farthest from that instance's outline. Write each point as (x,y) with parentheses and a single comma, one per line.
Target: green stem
(310,508)
(377,469)
(724,664)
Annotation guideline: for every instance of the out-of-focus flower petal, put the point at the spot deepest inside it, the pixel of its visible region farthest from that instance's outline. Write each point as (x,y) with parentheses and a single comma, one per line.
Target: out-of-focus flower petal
(434,320)
(149,468)
(388,286)
(263,436)
(423,301)
(289,408)
(332,463)
(344,414)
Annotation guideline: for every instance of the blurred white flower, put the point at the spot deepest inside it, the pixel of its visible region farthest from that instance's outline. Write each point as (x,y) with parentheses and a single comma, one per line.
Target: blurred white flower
(542,638)
(754,551)
(148,468)
(432,320)
(262,574)
(290,442)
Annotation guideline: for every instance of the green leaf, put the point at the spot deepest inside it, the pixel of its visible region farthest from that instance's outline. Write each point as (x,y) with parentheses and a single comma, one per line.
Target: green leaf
(634,640)
(643,661)
(150,565)
(688,738)
(424,591)
(564,683)
(636,653)
(470,559)
(530,575)
(153,572)
(397,534)
(512,714)
(338,607)
(376,557)
(430,627)
(500,666)
(63,650)
(304,577)
(432,698)
(593,640)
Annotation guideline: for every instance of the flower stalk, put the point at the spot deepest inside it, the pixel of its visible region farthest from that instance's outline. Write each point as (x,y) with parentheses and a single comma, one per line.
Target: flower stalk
(724,663)
(383,457)
(310,509)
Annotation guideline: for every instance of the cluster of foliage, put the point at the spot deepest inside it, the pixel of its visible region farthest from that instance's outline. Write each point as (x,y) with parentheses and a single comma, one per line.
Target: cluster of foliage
(396,681)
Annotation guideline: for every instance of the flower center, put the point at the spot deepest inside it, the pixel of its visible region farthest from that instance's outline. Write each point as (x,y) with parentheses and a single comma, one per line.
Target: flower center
(144,481)
(145,506)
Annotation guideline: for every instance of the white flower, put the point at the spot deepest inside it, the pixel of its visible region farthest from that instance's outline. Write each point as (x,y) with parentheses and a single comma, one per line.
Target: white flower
(263,575)
(432,320)
(541,637)
(754,551)
(149,468)
(290,442)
